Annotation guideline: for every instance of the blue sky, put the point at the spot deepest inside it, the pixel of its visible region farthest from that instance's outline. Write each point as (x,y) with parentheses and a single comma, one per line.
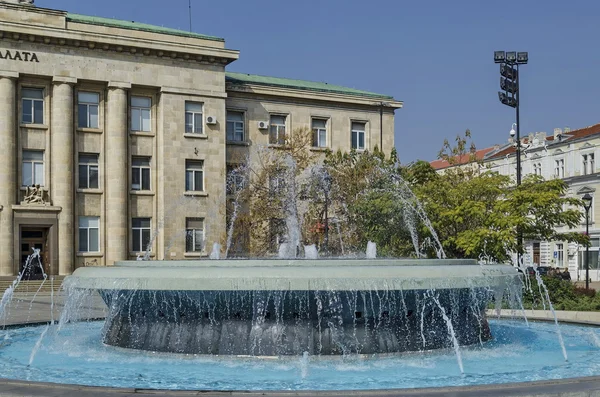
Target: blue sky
(435,55)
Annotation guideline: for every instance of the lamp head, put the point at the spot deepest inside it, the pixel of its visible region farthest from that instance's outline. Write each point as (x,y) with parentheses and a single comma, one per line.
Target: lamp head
(499,57)
(587,201)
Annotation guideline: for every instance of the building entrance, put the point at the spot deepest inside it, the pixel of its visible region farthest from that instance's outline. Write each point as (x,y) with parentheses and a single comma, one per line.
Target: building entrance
(34,239)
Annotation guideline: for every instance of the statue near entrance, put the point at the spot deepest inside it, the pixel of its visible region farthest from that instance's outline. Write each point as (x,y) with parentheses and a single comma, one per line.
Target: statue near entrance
(35,194)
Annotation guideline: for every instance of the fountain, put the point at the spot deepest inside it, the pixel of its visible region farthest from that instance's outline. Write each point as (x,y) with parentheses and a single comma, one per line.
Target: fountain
(301,321)
(273,307)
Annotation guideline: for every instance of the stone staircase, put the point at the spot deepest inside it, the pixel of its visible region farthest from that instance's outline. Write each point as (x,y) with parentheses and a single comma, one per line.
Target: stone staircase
(31,286)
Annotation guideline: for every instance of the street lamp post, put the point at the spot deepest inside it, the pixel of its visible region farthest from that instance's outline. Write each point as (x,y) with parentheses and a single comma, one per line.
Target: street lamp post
(509,83)
(587,204)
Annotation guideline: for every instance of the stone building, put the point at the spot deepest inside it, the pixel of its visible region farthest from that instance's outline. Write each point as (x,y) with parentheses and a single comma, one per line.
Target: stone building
(117,134)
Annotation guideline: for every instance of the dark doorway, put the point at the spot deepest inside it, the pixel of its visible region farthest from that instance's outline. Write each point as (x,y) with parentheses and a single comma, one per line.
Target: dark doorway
(34,266)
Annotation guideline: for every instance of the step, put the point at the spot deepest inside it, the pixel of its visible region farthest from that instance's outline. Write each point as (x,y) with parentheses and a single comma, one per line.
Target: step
(32,285)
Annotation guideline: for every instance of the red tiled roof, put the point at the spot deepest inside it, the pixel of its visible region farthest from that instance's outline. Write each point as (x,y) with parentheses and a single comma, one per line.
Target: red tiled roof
(462,159)
(575,134)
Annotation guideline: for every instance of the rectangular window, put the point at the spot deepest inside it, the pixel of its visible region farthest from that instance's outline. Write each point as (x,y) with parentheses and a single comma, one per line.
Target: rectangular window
(277,130)
(559,168)
(33,168)
(358,135)
(87,109)
(537,168)
(560,255)
(594,261)
(193,118)
(277,184)
(140,173)
(588,166)
(235,126)
(141,113)
(235,179)
(319,127)
(140,234)
(194,234)
(88,171)
(89,234)
(194,175)
(32,101)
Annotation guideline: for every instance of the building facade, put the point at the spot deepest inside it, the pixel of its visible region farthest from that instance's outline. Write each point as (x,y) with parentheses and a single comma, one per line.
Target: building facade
(116,136)
(566,154)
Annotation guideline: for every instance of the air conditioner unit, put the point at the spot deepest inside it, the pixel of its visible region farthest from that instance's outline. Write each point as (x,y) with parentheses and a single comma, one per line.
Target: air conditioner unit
(211,120)
(263,125)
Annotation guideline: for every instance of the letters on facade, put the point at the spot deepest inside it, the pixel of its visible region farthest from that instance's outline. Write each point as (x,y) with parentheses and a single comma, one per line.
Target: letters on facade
(24,56)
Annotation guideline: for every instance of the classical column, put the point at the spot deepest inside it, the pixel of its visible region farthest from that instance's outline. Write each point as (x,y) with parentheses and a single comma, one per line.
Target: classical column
(8,169)
(61,172)
(116,172)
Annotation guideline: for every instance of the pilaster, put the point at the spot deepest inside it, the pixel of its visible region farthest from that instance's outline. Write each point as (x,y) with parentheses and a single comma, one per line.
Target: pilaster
(62,188)
(8,169)
(116,174)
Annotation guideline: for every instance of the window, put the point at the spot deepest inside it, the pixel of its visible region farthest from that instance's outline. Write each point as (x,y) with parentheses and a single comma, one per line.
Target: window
(559,168)
(193,118)
(588,164)
(87,109)
(33,105)
(277,130)
(277,183)
(559,255)
(194,175)
(235,179)
(140,173)
(33,168)
(89,234)
(358,136)
(319,127)
(140,233)
(140,113)
(235,126)
(88,171)
(537,168)
(194,234)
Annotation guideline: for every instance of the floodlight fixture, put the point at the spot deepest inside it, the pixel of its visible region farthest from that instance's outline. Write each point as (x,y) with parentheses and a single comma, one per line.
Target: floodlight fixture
(522,57)
(499,57)
(507,100)
(511,57)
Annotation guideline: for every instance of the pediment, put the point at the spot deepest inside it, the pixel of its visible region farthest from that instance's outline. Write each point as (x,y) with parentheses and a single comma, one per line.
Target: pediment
(586,189)
(586,145)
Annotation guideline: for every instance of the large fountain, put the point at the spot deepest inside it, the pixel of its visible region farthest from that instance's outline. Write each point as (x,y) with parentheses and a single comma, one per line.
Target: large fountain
(287,307)
(349,322)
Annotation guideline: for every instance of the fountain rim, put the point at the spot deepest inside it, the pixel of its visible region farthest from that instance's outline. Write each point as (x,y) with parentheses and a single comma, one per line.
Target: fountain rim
(293,275)
(550,387)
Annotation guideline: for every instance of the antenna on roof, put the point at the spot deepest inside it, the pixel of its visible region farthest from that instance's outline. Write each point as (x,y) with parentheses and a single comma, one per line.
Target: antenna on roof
(190,3)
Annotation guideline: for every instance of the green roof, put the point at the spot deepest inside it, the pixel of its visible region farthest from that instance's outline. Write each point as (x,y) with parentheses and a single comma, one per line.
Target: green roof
(117,23)
(243,78)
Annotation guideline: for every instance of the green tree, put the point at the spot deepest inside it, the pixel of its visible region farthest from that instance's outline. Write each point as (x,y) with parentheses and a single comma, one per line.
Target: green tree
(477,212)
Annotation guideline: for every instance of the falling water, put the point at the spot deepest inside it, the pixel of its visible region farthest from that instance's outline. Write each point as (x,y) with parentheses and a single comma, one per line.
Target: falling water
(236,181)
(451,333)
(560,338)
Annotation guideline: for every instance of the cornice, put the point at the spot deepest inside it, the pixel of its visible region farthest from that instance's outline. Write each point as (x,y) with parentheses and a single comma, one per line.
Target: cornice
(257,89)
(50,35)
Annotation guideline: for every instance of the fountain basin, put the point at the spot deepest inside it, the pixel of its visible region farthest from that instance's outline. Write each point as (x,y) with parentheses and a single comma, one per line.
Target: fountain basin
(288,307)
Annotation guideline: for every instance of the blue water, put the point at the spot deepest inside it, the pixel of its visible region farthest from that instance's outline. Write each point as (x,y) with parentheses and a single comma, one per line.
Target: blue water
(518,353)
